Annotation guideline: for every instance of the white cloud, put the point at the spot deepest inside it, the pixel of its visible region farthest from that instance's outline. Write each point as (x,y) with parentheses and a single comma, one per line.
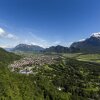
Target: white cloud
(57,43)
(1,30)
(10,40)
(35,40)
(11,36)
(4,34)
(31,38)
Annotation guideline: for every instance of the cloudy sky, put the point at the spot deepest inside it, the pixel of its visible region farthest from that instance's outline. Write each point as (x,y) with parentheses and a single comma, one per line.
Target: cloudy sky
(47,22)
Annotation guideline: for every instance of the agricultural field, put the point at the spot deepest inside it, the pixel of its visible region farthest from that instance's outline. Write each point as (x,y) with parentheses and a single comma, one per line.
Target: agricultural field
(84,57)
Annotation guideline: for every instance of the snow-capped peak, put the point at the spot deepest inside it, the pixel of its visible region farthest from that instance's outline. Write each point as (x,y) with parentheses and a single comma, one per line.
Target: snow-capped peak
(96,35)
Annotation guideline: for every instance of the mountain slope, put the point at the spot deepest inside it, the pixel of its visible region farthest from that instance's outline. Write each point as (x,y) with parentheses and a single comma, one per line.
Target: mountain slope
(25,47)
(90,45)
(57,49)
(7,56)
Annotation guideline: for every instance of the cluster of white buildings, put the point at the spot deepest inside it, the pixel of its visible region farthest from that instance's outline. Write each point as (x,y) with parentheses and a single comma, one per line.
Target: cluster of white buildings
(26,64)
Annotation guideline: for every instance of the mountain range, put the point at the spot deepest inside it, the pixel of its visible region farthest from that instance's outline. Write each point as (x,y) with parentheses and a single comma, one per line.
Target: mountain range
(88,45)
(57,49)
(26,47)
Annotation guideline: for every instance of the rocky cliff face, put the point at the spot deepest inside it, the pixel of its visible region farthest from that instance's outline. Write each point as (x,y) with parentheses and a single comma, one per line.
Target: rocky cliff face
(91,44)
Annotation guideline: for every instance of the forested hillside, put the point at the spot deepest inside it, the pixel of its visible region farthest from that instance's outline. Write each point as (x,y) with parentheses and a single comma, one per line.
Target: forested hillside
(67,80)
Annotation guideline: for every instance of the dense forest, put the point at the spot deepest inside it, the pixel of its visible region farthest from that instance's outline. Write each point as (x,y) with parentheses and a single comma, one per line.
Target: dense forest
(67,80)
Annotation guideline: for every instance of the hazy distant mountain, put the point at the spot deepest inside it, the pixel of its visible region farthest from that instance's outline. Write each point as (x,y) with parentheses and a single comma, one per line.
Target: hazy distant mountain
(91,44)
(57,49)
(8,49)
(26,48)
